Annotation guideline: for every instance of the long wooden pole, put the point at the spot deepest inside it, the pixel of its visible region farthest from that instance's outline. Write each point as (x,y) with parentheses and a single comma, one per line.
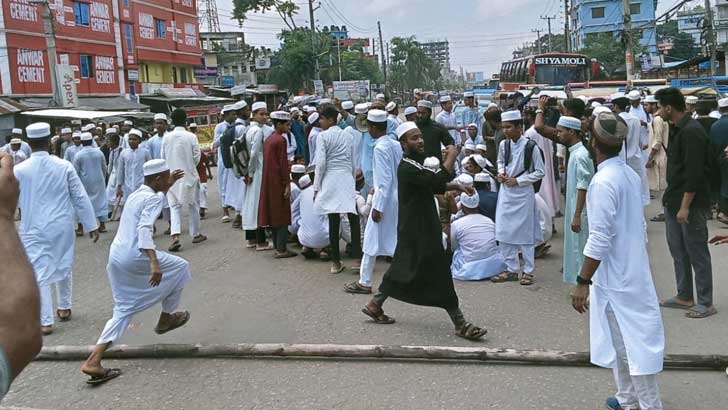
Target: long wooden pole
(477,354)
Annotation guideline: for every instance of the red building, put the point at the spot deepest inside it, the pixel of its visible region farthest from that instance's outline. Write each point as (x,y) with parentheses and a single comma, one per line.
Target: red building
(116,47)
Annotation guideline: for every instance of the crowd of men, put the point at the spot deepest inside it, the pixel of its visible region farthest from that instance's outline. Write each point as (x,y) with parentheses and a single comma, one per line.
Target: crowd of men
(437,199)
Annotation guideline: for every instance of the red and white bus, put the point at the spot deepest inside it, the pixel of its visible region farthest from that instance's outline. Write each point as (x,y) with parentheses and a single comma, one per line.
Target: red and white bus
(548,69)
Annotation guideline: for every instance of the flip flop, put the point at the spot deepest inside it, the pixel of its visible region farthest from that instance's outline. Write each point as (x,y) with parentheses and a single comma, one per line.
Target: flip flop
(185,317)
(700,312)
(96,380)
(175,246)
(199,238)
(672,303)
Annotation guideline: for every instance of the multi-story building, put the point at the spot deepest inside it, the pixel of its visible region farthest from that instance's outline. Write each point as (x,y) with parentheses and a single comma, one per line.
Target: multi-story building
(439,51)
(598,16)
(115,47)
(692,22)
(721,22)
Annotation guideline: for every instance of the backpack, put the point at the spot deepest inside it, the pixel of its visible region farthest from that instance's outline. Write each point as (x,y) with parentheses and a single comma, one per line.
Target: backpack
(240,156)
(226,141)
(527,160)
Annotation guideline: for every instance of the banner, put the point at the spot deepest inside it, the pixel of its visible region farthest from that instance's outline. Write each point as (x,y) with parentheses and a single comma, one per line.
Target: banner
(357,90)
(66,86)
(318,86)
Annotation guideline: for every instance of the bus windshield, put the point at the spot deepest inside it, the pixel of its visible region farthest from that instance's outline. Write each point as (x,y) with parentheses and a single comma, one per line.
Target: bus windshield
(560,75)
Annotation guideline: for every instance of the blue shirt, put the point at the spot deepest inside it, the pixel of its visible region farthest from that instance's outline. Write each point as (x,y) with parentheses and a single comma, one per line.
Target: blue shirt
(719,133)
(488,202)
(300,134)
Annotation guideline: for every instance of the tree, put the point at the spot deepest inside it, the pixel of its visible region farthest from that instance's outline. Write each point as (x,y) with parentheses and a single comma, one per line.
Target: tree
(295,62)
(286,9)
(410,67)
(683,44)
(609,52)
(357,66)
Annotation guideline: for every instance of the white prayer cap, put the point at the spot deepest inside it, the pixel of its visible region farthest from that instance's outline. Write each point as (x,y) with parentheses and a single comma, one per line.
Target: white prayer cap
(313,118)
(424,103)
(634,95)
(481,147)
(155,166)
(390,106)
(469,146)
(227,108)
(298,169)
(513,115)
(470,201)
(260,105)
(599,110)
(405,127)
(714,114)
(691,99)
(380,97)
(160,117)
(473,125)
(617,96)
(88,127)
(432,163)
(482,177)
(111,130)
(304,181)
(87,136)
(465,179)
(595,104)
(377,116)
(76,134)
(193,125)
(492,105)
(465,160)
(569,122)
(310,109)
(361,108)
(444,99)
(295,110)
(468,94)
(37,130)
(325,101)
(610,129)
(65,131)
(16,141)
(347,105)
(17,131)
(128,122)
(479,160)
(723,102)
(410,111)
(136,132)
(240,105)
(280,115)
(652,100)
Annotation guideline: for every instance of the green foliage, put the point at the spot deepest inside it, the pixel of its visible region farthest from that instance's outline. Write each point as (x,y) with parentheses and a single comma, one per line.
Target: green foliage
(410,67)
(286,9)
(683,45)
(609,51)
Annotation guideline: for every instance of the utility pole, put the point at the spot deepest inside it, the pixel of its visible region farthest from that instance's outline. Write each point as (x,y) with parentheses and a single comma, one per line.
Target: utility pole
(566,25)
(381,50)
(627,39)
(50,36)
(711,39)
(311,9)
(538,39)
(548,19)
(338,49)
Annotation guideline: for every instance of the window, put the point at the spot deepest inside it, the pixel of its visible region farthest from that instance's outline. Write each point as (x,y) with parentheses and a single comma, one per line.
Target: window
(86,66)
(183,75)
(126,3)
(597,12)
(161,29)
(81,11)
(129,36)
(634,8)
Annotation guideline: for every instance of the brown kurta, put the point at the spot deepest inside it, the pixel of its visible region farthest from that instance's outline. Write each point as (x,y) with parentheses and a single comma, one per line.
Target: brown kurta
(274,210)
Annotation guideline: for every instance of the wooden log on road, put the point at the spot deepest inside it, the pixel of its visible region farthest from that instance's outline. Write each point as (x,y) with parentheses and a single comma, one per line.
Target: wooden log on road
(438,353)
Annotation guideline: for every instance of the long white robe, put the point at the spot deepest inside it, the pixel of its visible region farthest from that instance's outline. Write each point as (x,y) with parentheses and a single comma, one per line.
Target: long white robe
(112,170)
(234,185)
(449,119)
(181,150)
(380,238)
(51,194)
(131,170)
(357,137)
(516,213)
(71,152)
(128,266)
(550,190)
(254,139)
(617,238)
(313,230)
(312,137)
(335,170)
(23,147)
(475,253)
(90,164)
(222,172)
(632,153)
(154,145)
(18,156)
(295,209)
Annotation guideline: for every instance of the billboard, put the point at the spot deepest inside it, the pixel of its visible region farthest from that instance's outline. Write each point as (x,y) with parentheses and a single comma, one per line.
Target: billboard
(357,90)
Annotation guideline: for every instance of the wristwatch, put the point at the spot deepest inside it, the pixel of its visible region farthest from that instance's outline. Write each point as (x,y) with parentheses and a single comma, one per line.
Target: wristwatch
(539,111)
(582,281)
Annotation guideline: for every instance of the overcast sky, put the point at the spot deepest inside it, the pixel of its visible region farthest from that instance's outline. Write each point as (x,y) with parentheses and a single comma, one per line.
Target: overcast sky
(482,33)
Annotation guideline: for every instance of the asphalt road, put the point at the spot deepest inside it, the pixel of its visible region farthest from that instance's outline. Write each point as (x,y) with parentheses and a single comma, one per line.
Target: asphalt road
(238,295)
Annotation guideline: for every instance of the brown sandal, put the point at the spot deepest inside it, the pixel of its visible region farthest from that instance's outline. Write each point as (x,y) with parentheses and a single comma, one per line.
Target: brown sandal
(179,319)
(505,277)
(527,279)
(379,317)
(470,331)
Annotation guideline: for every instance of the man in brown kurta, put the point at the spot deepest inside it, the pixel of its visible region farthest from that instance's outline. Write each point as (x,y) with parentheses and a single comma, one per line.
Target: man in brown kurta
(274,211)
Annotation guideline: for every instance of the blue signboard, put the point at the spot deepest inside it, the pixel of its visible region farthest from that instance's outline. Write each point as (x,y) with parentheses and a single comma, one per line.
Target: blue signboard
(227,81)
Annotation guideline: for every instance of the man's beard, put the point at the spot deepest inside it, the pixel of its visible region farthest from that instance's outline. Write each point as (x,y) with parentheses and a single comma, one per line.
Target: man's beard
(423,121)
(416,155)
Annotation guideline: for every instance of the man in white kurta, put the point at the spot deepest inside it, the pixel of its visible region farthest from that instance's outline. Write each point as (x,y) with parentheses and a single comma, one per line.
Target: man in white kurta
(51,195)
(632,150)
(550,190)
(254,234)
(18,133)
(90,164)
(222,172)
(73,149)
(181,150)
(235,187)
(154,143)
(313,229)
(380,232)
(313,120)
(131,163)
(112,135)
(448,119)
(334,183)
(472,239)
(16,151)
(518,228)
(140,276)
(625,326)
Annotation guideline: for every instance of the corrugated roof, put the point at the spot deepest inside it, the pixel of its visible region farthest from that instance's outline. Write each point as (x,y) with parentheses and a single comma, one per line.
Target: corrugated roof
(10,106)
